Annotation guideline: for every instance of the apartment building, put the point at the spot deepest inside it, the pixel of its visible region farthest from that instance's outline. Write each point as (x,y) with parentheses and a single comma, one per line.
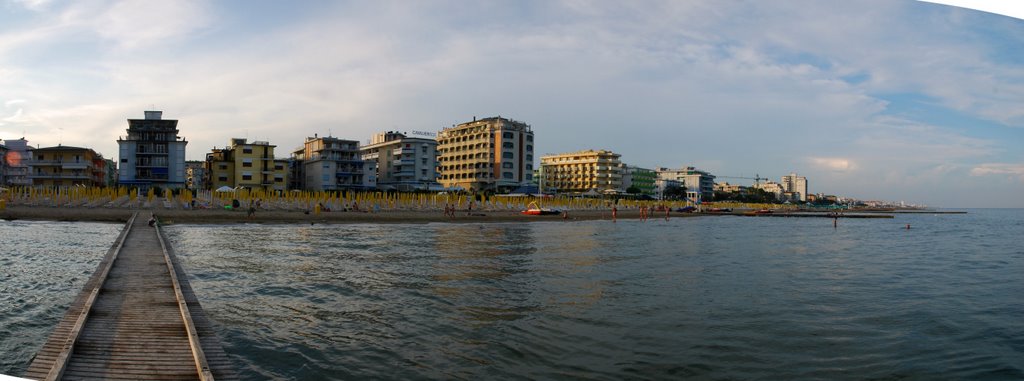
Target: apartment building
(403,163)
(699,184)
(3,164)
(247,165)
(195,175)
(640,178)
(18,163)
(65,166)
(494,154)
(797,185)
(152,154)
(329,163)
(582,171)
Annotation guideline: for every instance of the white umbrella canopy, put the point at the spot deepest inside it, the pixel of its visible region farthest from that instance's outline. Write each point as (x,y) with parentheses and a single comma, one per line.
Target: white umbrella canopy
(225,189)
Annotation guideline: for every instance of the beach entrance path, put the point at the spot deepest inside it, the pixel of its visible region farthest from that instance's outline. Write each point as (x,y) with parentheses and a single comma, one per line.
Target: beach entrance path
(136,318)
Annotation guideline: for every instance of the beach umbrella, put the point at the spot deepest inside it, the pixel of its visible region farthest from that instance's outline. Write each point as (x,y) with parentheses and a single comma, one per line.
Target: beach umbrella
(225,189)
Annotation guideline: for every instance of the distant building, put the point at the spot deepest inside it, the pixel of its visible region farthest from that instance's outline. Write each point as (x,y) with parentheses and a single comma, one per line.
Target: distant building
(152,154)
(582,172)
(729,188)
(699,184)
(17,163)
(3,164)
(403,163)
(661,184)
(330,163)
(771,187)
(246,165)
(65,166)
(641,178)
(797,185)
(488,154)
(195,175)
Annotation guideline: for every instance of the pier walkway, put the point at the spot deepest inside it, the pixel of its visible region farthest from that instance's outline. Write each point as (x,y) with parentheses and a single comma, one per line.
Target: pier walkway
(136,318)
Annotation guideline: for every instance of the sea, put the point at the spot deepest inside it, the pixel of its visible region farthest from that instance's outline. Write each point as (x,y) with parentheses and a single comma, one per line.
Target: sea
(715,298)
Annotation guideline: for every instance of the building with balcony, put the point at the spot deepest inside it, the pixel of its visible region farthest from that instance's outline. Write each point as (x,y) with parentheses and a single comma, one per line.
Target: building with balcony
(65,166)
(245,164)
(17,162)
(582,171)
(330,163)
(699,184)
(640,178)
(797,185)
(403,163)
(494,154)
(771,187)
(195,175)
(152,154)
(3,164)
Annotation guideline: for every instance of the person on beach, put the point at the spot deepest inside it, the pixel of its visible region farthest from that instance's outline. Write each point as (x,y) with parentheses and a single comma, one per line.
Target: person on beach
(469,210)
(615,213)
(252,210)
(152,219)
(667,210)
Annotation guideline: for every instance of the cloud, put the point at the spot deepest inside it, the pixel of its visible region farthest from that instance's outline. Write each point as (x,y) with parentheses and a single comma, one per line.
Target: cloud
(34,5)
(989,169)
(832,163)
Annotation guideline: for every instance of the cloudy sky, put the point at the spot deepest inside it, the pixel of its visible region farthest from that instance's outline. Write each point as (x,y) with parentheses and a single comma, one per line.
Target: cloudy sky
(894,100)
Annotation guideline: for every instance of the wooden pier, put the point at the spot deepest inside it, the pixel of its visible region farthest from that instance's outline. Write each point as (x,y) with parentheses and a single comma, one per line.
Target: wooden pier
(136,319)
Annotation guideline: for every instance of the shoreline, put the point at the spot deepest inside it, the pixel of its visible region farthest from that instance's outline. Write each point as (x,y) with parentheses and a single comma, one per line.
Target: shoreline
(221,216)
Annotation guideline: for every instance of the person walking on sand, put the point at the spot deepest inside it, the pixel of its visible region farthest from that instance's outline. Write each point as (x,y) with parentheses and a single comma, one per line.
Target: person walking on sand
(615,213)
(469,210)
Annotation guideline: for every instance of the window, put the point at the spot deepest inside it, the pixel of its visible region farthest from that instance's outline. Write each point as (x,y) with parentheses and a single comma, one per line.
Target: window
(247,177)
(529,177)
(326,178)
(507,155)
(124,160)
(223,166)
(247,150)
(423,172)
(247,164)
(529,158)
(506,165)
(507,175)
(529,138)
(507,135)
(529,148)
(507,145)
(222,178)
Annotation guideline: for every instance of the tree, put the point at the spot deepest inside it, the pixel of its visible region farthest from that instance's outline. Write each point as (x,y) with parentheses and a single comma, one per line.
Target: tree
(674,192)
(632,189)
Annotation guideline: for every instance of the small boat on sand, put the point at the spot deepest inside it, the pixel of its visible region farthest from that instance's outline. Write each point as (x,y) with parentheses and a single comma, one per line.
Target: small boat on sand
(533,210)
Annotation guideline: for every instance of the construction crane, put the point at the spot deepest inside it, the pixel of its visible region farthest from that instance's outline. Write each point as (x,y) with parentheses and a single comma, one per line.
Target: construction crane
(757,178)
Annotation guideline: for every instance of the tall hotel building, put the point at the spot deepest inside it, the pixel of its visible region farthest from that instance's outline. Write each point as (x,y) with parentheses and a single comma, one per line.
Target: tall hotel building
(487,154)
(583,171)
(152,154)
(404,163)
(797,185)
(699,184)
(330,163)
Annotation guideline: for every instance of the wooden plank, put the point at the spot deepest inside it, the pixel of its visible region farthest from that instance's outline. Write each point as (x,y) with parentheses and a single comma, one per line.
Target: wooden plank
(142,320)
(60,363)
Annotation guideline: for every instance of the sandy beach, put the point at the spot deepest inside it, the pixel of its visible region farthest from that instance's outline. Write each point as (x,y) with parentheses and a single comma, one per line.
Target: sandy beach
(217,216)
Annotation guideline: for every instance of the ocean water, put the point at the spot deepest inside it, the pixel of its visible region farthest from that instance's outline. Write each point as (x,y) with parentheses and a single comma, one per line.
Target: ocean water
(702,298)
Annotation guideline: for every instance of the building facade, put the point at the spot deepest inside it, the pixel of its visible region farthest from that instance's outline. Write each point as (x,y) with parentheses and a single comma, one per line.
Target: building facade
(771,187)
(152,154)
(330,163)
(797,185)
(3,164)
(65,166)
(403,163)
(494,154)
(582,171)
(17,163)
(245,164)
(195,175)
(699,184)
(640,178)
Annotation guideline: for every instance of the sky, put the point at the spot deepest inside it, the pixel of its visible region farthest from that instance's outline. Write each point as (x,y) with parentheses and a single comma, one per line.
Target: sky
(877,100)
